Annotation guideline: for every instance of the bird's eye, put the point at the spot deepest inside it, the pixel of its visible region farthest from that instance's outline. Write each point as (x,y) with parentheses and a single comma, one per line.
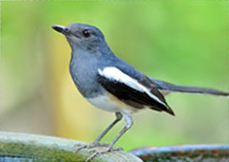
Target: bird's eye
(86,33)
(66,29)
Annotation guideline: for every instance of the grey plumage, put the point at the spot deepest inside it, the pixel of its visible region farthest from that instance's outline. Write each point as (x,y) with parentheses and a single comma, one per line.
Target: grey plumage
(86,58)
(165,86)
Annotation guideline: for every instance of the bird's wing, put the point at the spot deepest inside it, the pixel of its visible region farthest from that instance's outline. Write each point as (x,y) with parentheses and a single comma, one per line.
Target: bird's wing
(138,94)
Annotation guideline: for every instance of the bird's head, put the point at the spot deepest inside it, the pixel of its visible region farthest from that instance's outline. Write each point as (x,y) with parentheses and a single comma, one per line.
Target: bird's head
(82,36)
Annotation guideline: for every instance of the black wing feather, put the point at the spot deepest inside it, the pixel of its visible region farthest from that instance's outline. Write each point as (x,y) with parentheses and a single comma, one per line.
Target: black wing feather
(133,97)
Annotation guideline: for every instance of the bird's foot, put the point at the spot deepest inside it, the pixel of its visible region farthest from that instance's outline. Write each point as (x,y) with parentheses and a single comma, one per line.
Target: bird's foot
(91,145)
(102,151)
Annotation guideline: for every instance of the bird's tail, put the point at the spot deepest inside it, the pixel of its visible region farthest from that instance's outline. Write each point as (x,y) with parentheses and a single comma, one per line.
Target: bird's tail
(164,86)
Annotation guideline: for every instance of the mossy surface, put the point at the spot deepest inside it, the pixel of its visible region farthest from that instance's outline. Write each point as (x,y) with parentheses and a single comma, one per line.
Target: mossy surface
(24,147)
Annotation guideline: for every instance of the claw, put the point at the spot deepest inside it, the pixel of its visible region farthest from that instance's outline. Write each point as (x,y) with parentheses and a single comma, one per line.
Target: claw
(91,145)
(80,148)
(105,148)
(102,151)
(97,153)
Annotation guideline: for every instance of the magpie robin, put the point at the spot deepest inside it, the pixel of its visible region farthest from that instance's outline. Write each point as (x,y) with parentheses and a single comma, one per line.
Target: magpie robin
(111,84)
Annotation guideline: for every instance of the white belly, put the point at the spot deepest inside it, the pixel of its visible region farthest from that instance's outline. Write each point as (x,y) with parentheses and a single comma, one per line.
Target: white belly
(111,103)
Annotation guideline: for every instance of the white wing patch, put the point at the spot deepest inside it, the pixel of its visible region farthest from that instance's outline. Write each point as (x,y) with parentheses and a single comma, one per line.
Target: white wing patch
(117,75)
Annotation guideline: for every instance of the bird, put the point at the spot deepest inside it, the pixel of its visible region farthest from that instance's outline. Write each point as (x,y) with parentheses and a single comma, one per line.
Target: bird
(111,84)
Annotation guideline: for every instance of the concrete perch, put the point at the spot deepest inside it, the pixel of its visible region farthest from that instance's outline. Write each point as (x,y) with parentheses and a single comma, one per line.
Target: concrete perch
(27,147)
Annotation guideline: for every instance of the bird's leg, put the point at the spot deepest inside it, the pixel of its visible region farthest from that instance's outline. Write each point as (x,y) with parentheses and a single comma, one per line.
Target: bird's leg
(128,125)
(118,118)
(96,142)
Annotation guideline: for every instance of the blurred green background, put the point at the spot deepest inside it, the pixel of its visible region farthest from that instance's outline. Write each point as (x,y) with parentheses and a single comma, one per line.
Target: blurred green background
(183,42)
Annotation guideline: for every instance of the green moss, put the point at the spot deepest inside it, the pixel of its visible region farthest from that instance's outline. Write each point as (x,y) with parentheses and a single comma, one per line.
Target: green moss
(24,147)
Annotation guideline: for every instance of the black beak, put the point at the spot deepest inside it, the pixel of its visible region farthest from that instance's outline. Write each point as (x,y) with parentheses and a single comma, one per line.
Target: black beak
(59,28)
